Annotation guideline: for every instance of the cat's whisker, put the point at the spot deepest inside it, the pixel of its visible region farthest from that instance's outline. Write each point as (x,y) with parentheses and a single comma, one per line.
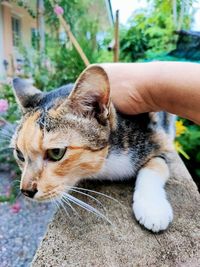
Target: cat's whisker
(55,202)
(65,197)
(18,195)
(63,206)
(52,202)
(5,148)
(86,206)
(85,194)
(16,181)
(7,130)
(5,143)
(52,199)
(98,193)
(58,203)
(5,151)
(5,138)
(65,200)
(2,134)
(6,134)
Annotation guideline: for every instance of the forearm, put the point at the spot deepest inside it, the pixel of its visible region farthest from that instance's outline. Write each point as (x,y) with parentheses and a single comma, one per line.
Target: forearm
(154,86)
(177,89)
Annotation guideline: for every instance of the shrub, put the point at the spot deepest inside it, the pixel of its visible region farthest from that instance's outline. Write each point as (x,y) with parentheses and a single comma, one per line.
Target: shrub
(9,114)
(189,141)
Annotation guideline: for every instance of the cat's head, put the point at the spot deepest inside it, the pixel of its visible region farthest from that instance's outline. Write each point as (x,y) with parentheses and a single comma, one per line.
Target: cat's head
(62,139)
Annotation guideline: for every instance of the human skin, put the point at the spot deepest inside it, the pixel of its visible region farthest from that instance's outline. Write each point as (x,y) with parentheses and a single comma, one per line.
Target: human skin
(143,87)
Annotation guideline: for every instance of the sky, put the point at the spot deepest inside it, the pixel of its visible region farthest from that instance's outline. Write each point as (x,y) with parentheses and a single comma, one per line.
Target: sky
(196,24)
(126,8)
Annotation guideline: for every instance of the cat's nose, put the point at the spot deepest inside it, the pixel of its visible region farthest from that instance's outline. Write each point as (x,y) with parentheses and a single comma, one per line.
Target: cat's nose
(29,193)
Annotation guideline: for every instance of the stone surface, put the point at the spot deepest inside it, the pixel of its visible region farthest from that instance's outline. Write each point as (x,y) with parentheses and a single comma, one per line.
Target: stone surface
(89,241)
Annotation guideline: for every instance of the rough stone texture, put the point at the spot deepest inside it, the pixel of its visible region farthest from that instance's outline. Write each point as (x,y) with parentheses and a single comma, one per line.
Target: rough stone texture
(90,241)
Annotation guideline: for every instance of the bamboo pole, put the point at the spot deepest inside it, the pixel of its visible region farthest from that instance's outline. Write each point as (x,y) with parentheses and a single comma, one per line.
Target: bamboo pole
(174,7)
(41,26)
(181,16)
(72,37)
(73,40)
(116,47)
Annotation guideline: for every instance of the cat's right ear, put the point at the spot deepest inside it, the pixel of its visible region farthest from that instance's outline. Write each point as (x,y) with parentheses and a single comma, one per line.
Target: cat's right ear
(27,96)
(91,94)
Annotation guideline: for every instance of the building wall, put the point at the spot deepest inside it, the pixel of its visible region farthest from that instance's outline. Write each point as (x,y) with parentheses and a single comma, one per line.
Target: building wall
(101,11)
(7,34)
(27,22)
(1,46)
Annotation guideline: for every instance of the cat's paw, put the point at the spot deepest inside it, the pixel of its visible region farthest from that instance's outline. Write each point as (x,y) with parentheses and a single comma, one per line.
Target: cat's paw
(154,212)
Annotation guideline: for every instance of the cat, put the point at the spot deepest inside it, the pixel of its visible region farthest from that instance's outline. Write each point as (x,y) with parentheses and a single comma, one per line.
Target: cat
(74,132)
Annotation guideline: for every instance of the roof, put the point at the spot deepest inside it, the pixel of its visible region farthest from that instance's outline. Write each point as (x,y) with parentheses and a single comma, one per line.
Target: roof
(110,11)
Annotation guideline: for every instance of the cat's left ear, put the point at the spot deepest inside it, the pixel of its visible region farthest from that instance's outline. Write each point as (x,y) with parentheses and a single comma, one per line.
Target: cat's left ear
(91,94)
(26,94)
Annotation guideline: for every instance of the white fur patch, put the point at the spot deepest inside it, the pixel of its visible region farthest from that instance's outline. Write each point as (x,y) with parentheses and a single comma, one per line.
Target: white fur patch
(150,206)
(172,128)
(117,167)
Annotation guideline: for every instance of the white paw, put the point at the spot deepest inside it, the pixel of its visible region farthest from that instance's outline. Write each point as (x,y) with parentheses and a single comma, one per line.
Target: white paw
(152,211)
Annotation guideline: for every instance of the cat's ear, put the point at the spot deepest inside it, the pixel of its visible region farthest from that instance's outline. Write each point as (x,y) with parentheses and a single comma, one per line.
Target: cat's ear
(26,94)
(91,94)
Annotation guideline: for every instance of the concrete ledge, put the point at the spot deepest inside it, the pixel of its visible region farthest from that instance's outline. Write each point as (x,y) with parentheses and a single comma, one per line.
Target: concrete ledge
(92,242)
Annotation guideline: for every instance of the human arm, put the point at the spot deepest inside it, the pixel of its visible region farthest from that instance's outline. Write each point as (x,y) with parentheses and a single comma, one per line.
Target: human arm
(154,86)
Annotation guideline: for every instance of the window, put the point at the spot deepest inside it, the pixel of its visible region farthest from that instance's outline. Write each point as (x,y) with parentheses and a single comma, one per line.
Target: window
(16,31)
(34,37)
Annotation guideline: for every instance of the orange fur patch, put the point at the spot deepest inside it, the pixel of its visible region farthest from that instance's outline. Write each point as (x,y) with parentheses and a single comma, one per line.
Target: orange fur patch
(164,141)
(30,137)
(30,142)
(83,162)
(157,164)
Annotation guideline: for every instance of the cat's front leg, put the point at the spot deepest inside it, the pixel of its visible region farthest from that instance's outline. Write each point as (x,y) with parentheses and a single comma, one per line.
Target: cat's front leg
(150,204)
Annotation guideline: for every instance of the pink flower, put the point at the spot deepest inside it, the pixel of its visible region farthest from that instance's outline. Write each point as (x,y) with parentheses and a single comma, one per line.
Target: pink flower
(58,10)
(16,207)
(3,105)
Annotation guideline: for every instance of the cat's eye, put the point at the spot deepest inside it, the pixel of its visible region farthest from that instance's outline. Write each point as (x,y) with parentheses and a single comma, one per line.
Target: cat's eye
(55,154)
(20,155)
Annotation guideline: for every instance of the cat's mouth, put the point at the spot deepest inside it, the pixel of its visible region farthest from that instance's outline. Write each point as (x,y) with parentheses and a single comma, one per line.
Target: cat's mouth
(42,196)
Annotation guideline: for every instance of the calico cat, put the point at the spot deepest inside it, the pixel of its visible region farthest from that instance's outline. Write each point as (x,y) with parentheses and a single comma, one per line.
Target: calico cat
(65,136)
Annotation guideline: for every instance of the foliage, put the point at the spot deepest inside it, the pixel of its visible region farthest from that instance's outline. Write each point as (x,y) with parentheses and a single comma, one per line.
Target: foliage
(26,6)
(180,129)
(66,61)
(13,113)
(11,196)
(61,63)
(151,31)
(74,13)
(7,126)
(189,141)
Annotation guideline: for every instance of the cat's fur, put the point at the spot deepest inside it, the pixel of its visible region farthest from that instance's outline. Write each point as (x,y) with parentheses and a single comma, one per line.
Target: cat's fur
(101,143)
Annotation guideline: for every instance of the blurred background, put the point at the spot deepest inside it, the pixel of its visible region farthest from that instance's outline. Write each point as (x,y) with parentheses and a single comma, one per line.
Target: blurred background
(51,42)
